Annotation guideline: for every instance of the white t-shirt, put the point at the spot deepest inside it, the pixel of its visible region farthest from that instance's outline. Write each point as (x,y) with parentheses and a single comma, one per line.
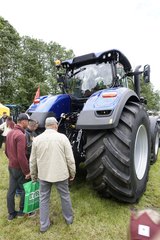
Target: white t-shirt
(5,129)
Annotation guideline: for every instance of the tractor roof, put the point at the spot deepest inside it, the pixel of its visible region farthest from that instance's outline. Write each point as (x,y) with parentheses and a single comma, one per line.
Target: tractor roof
(91,58)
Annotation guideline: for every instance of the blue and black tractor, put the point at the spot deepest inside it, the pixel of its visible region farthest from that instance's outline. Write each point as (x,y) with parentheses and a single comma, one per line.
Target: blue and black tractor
(100,109)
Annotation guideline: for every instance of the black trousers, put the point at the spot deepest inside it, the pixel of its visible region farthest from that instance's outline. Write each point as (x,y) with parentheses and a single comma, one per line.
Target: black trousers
(16,180)
(1,140)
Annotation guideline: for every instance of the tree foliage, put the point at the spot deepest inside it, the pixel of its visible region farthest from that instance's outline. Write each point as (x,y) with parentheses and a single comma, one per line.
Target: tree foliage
(9,55)
(25,64)
(152,97)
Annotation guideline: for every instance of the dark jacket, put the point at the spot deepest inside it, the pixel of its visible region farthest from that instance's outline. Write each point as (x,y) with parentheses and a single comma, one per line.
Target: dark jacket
(29,138)
(2,120)
(15,149)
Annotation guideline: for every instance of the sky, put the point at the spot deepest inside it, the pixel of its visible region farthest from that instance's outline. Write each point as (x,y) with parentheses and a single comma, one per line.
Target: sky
(85,26)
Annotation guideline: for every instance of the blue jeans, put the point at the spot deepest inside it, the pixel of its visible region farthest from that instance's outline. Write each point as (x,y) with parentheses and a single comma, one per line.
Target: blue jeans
(16,180)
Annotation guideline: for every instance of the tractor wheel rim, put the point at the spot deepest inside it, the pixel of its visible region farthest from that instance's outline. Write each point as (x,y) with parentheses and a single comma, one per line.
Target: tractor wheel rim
(141,152)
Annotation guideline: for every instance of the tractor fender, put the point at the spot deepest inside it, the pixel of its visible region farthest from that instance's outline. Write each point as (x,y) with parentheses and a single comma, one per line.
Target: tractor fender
(154,120)
(100,112)
(155,137)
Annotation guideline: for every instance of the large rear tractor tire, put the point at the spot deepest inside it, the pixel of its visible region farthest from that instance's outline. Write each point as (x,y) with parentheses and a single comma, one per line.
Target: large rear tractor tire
(118,160)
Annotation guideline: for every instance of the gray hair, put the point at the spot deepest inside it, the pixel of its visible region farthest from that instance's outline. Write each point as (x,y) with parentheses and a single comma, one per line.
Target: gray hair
(50,121)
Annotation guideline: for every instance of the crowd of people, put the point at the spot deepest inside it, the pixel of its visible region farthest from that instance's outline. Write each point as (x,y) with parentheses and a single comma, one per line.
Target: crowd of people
(47,158)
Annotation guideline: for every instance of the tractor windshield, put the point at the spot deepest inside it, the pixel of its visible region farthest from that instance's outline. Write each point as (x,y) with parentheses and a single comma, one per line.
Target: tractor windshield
(88,79)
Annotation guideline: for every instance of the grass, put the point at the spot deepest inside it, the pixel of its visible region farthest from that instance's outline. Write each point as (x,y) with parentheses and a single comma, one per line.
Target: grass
(95,218)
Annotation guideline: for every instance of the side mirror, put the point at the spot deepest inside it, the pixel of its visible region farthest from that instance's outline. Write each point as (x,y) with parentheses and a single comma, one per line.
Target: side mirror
(143,100)
(146,73)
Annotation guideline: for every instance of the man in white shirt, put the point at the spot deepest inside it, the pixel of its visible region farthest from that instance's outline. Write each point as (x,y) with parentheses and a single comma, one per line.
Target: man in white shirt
(52,161)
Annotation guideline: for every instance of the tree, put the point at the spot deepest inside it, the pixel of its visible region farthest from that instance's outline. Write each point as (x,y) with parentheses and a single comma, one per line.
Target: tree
(37,68)
(32,70)
(55,51)
(9,55)
(25,64)
(152,97)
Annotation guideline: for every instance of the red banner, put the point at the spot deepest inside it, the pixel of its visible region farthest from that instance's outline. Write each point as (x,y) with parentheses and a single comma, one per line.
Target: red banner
(37,96)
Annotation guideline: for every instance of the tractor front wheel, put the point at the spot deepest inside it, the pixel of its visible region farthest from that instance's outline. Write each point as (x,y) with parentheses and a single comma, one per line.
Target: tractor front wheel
(118,160)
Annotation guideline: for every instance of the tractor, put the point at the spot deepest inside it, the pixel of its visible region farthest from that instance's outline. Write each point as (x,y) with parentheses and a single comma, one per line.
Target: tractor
(100,109)
(14,110)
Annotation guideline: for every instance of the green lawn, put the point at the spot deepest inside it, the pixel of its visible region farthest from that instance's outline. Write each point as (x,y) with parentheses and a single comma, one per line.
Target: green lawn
(95,218)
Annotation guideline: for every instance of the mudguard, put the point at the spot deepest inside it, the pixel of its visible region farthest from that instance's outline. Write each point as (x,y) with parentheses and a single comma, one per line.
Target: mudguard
(49,106)
(103,108)
(154,120)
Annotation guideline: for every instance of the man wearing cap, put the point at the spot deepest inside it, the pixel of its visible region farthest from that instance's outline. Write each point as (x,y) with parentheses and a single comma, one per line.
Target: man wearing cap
(52,161)
(15,149)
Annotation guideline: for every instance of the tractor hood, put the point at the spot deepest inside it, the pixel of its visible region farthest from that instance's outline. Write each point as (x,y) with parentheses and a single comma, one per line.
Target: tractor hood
(104,99)
(50,106)
(52,103)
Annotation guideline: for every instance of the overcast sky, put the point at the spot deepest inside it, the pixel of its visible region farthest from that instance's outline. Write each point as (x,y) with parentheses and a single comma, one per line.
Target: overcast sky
(131,26)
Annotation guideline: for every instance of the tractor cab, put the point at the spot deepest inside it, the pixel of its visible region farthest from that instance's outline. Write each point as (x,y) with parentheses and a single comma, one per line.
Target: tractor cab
(83,76)
(14,110)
